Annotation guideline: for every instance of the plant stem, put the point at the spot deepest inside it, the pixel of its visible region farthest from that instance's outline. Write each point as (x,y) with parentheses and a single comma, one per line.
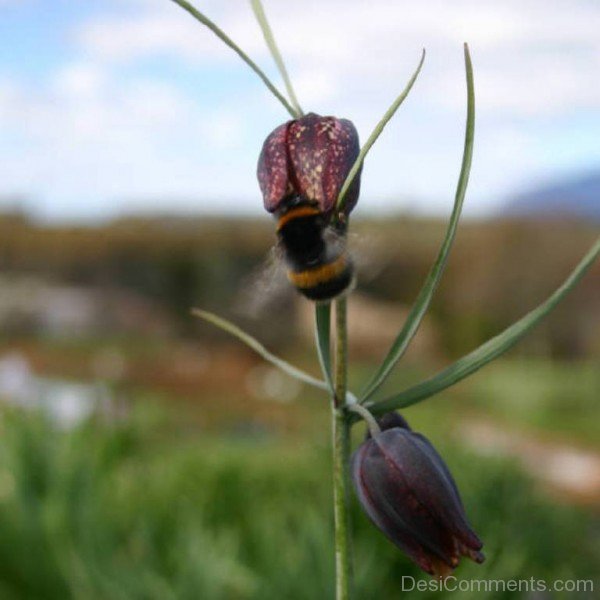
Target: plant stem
(369,419)
(374,135)
(341,456)
(341,353)
(261,17)
(229,42)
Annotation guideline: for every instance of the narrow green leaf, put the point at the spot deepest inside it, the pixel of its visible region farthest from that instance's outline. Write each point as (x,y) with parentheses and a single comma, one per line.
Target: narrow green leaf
(253,343)
(261,17)
(229,42)
(323,339)
(489,351)
(423,300)
(374,135)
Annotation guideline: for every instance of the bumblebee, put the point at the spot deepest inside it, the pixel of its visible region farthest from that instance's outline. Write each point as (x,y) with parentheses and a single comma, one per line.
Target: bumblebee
(319,266)
(301,169)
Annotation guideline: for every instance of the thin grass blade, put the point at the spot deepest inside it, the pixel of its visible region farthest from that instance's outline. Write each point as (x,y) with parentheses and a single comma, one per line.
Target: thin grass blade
(253,343)
(425,296)
(229,42)
(375,134)
(323,339)
(489,351)
(261,17)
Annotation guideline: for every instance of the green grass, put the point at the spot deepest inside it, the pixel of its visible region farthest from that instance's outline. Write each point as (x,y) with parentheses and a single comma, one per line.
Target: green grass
(150,509)
(548,397)
(552,399)
(559,400)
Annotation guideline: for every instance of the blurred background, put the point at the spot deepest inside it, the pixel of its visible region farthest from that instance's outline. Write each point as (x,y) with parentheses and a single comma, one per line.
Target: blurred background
(146,455)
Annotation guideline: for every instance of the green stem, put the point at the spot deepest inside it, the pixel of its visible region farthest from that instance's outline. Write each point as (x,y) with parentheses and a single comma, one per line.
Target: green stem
(229,42)
(341,352)
(391,111)
(341,458)
(369,419)
(261,17)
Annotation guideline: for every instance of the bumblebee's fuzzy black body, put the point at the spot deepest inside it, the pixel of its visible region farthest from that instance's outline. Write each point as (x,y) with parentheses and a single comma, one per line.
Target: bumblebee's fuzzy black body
(318,263)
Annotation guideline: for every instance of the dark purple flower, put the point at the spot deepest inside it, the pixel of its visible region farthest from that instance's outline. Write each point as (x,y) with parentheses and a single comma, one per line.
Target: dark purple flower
(408,492)
(309,157)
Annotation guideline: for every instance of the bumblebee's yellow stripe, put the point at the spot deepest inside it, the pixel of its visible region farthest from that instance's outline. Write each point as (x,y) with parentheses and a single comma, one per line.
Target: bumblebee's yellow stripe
(313,277)
(294,213)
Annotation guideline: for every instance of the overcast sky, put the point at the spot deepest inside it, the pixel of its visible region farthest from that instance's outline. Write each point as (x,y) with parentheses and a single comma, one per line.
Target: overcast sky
(111,106)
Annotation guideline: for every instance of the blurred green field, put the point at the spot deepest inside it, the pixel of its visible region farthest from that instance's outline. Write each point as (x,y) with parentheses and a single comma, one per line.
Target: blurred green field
(554,398)
(151,507)
(203,488)
(558,400)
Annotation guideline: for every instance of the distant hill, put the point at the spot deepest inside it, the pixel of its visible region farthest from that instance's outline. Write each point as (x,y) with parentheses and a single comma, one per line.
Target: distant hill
(577,197)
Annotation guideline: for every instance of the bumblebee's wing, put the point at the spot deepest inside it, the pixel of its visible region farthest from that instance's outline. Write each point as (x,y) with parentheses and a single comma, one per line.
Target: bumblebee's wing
(265,288)
(364,256)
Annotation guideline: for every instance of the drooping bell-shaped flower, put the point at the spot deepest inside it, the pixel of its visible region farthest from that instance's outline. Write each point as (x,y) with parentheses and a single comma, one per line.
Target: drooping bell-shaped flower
(310,158)
(408,492)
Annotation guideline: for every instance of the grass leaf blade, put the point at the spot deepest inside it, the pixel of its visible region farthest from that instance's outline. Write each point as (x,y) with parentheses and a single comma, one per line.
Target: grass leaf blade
(261,17)
(491,349)
(323,338)
(425,296)
(255,345)
(375,134)
(229,42)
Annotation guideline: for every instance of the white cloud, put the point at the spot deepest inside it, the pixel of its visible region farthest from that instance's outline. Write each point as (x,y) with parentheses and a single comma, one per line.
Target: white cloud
(315,86)
(519,47)
(87,138)
(79,80)
(222,129)
(163,29)
(102,129)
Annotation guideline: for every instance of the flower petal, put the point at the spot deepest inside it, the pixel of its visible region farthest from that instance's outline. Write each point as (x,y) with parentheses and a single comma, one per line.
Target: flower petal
(272,171)
(322,151)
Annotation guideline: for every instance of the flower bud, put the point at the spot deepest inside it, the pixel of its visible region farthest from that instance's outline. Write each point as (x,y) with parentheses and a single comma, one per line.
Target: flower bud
(309,158)
(389,421)
(408,492)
